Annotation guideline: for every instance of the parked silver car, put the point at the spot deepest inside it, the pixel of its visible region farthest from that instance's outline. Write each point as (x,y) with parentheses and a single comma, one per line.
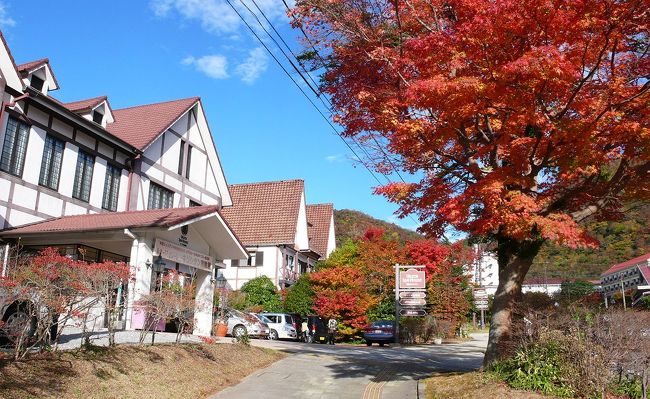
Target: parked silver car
(240,323)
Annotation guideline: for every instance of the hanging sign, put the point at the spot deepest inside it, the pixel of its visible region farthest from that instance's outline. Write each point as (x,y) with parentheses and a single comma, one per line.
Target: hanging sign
(412,278)
(186,256)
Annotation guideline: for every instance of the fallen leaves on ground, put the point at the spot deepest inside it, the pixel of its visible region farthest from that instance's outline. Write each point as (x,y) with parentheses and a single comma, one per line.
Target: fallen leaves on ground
(160,371)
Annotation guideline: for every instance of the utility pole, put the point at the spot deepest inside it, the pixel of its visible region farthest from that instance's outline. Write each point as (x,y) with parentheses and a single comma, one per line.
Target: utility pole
(623,293)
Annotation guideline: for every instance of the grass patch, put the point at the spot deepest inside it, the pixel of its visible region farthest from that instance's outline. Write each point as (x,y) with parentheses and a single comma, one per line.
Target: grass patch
(474,385)
(160,371)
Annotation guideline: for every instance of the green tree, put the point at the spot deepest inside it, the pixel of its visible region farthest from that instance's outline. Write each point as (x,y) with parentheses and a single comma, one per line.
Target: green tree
(300,297)
(574,290)
(261,293)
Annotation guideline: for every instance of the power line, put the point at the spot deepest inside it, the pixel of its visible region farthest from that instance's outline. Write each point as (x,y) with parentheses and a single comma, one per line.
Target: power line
(300,88)
(319,94)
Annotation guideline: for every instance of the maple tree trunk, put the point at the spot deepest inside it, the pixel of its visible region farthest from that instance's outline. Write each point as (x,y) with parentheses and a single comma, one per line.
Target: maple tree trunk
(515,258)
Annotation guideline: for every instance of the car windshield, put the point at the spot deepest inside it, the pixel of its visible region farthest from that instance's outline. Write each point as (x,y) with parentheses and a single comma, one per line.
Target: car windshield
(288,319)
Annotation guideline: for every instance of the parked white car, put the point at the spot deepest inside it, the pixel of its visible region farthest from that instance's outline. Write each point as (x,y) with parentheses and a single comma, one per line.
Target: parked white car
(281,325)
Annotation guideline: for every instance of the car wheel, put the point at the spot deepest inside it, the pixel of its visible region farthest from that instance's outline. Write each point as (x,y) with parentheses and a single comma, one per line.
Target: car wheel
(381,344)
(238,331)
(368,343)
(273,335)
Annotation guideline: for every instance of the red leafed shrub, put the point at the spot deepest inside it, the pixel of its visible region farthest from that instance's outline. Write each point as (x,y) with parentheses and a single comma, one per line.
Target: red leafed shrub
(53,290)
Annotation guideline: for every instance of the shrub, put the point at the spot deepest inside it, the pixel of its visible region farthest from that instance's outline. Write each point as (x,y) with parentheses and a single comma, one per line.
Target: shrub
(243,339)
(538,368)
(261,293)
(300,297)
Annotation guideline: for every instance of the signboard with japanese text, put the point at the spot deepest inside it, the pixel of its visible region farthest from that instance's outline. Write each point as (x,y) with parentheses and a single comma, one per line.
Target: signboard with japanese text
(412,278)
(186,256)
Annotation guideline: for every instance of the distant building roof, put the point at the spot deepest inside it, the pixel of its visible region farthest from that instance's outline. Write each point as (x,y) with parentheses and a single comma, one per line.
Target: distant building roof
(112,221)
(266,212)
(544,281)
(140,125)
(319,217)
(630,263)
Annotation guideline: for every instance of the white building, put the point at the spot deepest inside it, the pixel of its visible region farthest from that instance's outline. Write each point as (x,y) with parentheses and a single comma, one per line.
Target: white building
(83,175)
(549,286)
(484,272)
(271,220)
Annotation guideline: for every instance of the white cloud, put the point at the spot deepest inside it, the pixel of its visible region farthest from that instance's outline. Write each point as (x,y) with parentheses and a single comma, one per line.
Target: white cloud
(5,19)
(253,66)
(336,158)
(214,66)
(216,16)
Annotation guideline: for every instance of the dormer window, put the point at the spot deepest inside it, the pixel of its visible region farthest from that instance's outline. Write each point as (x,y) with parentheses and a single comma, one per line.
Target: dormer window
(37,83)
(98,117)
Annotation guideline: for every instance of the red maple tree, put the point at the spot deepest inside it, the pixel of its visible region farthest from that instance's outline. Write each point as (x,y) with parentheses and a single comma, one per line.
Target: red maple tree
(519,119)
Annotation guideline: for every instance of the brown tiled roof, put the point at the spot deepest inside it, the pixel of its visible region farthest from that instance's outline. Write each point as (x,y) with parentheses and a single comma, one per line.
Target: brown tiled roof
(626,264)
(319,217)
(141,124)
(265,213)
(32,64)
(87,104)
(112,221)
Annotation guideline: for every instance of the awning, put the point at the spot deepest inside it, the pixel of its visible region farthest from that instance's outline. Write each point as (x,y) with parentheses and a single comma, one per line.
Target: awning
(205,219)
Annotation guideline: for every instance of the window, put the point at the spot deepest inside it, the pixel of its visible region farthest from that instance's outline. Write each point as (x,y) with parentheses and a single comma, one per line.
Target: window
(15,147)
(83,176)
(111,187)
(160,197)
(37,83)
(51,163)
(194,203)
(254,259)
(189,160)
(98,117)
(180,158)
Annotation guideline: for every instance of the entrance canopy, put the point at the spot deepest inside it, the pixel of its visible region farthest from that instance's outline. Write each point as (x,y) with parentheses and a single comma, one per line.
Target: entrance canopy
(112,230)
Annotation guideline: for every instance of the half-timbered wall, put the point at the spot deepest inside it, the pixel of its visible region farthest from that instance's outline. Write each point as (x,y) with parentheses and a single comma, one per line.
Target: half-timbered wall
(23,200)
(161,159)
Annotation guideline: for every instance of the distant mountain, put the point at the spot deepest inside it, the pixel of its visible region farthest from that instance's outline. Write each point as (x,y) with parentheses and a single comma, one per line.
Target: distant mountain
(352,224)
(619,241)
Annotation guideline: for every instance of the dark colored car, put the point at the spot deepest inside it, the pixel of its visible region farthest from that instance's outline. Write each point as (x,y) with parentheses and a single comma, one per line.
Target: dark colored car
(316,330)
(380,331)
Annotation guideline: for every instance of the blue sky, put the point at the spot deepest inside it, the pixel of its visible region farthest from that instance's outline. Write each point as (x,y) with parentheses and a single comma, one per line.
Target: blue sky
(138,52)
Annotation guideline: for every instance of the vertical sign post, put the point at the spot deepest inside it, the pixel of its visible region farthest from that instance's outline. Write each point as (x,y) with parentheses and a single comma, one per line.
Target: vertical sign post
(410,284)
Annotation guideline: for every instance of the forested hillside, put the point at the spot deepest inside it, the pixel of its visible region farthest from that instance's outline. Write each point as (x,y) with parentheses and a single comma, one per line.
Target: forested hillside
(352,224)
(620,241)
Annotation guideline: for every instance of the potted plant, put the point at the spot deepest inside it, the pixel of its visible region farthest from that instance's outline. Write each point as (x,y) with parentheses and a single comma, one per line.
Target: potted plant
(220,328)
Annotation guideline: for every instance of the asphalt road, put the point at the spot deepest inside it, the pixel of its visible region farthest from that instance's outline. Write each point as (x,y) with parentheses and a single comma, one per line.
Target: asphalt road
(341,371)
